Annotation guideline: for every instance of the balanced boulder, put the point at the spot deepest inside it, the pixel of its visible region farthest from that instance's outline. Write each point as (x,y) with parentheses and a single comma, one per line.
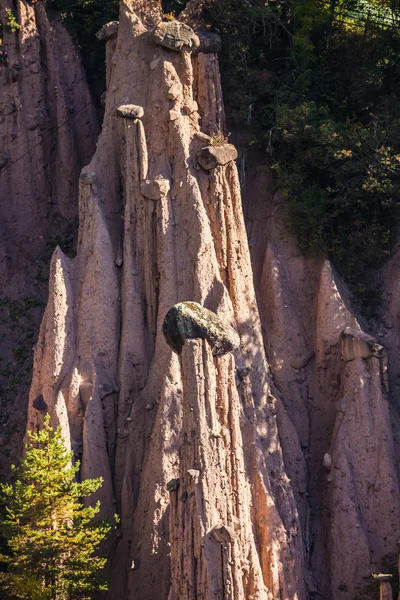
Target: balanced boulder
(175,36)
(224,534)
(357,344)
(130,111)
(156,189)
(214,156)
(190,320)
(108,31)
(88,177)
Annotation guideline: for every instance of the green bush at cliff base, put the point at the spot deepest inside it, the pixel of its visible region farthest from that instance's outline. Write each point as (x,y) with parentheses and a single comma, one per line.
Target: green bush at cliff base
(49,536)
(319,92)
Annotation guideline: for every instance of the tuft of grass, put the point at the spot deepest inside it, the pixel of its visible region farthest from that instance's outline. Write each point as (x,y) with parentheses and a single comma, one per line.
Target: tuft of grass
(170,16)
(219,139)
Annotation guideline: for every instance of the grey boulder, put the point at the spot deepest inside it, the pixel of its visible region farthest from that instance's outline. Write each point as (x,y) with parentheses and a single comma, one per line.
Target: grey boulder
(190,320)
(175,36)
(214,156)
(130,111)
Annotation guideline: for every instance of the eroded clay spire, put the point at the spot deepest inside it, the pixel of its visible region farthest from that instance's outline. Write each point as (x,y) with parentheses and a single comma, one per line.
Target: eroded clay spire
(159,227)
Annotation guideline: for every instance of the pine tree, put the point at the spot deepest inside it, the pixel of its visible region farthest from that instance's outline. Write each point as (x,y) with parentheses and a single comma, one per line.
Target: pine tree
(51,536)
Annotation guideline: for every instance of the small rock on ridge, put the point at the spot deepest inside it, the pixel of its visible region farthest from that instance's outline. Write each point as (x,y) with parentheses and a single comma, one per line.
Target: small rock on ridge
(174,91)
(88,177)
(327,462)
(356,343)
(130,111)
(194,473)
(190,320)
(108,31)
(212,156)
(384,577)
(224,534)
(175,36)
(156,189)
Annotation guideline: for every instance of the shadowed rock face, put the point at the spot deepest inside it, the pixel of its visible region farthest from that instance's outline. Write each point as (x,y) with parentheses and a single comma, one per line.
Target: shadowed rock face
(48,132)
(39,404)
(189,320)
(385,592)
(209,43)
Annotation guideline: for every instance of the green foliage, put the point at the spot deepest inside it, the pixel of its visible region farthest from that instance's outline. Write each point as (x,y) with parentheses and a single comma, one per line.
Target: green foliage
(11,23)
(319,91)
(86,17)
(342,181)
(51,536)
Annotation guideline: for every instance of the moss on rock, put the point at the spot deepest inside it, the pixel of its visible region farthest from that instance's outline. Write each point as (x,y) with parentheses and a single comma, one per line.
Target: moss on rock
(175,36)
(190,320)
